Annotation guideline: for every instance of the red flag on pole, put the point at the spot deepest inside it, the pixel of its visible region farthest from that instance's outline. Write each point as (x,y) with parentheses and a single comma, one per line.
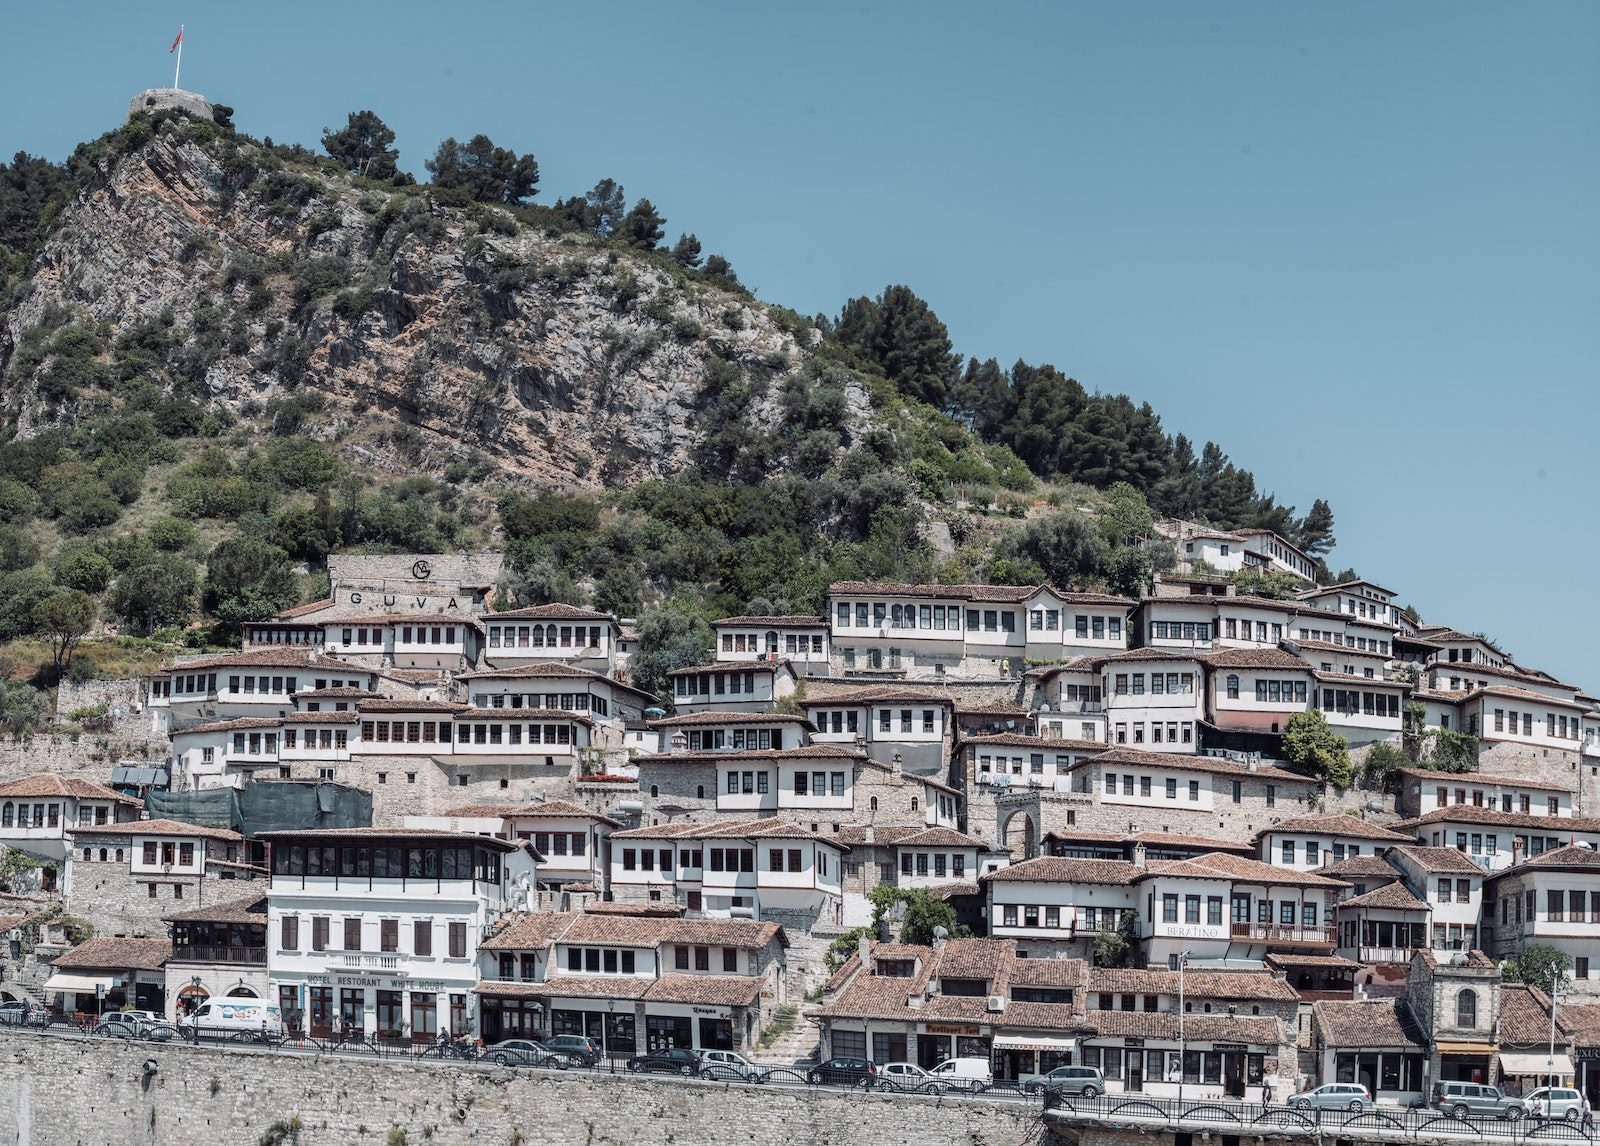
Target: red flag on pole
(176,42)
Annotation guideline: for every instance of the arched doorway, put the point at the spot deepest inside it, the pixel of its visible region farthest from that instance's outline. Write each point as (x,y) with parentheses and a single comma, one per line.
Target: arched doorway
(190,996)
(242,992)
(1021,835)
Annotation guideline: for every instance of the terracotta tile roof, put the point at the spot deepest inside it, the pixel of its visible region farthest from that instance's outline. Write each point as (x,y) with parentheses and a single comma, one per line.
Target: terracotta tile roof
(1367,1023)
(536,809)
(158,828)
(706,990)
(1061,869)
(1254,871)
(1582,1019)
(874,996)
(1458,959)
(238,724)
(598,987)
(117,954)
(333,694)
(749,933)
(302,610)
(250,909)
(1177,840)
(1135,758)
(277,656)
(1035,743)
(412,676)
(973,958)
(883,835)
(1452,779)
(993,594)
(553,670)
(1571,856)
(558,612)
(529,930)
(792,621)
(349,716)
(1050,973)
(1325,589)
(949,891)
(875,695)
(1351,827)
(1392,895)
(50,784)
(1525,1016)
(991,708)
(1257,1032)
(942,838)
(1467,814)
(735,666)
(1341,650)
(1255,658)
(696,719)
(382,705)
(1360,866)
(1444,860)
(1199,984)
(1329,962)
(807,752)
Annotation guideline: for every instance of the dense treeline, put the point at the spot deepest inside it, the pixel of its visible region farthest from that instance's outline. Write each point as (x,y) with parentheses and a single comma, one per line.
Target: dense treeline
(1057,427)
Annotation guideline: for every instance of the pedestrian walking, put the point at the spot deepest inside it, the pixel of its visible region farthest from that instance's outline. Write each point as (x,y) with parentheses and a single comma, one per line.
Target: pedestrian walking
(1266,1092)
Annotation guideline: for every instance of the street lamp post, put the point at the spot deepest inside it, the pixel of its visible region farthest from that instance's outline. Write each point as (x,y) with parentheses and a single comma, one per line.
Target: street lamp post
(1550,1064)
(1183,1057)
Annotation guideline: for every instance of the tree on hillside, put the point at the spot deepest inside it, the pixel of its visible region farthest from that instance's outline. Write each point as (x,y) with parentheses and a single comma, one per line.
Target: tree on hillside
(1065,545)
(484,172)
(155,592)
(1130,513)
(1315,531)
(1314,749)
(686,251)
(897,336)
(1539,965)
(63,619)
(670,637)
(364,146)
(606,206)
(718,267)
(642,227)
(248,579)
(1127,572)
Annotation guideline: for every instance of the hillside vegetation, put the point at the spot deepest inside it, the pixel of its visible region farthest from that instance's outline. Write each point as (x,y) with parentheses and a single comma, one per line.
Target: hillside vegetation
(223,359)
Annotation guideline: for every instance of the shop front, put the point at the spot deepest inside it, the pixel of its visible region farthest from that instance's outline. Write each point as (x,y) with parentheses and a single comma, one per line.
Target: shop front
(358,1007)
(1018,1058)
(1464,1061)
(1156,1067)
(937,1042)
(509,1011)
(1588,1064)
(1390,1075)
(1523,1072)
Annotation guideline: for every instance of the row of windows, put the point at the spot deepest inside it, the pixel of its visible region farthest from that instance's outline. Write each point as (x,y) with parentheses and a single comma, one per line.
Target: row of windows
(286,636)
(1036,763)
(1089,918)
(423,731)
(32,815)
(560,843)
(1199,631)
(793,643)
(445,635)
(1145,786)
(1556,726)
(1172,732)
(1360,644)
(597,959)
(916,863)
(721,859)
(1171,682)
(327,738)
(1369,703)
(382,862)
(566,701)
(249,684)
(1524,804)
(715,684)
(198,683)
(388,935)
(936,618)
(536,637)
(1461,888)
(1271,691)
(740,739)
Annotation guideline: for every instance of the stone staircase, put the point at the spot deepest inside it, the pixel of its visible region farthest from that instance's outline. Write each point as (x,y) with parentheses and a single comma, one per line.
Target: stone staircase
(795,1045)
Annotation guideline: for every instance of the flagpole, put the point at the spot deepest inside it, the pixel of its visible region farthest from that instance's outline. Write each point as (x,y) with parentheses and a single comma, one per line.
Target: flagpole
(179,68)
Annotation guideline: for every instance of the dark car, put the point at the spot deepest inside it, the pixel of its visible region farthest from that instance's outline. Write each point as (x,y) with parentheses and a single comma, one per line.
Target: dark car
(23,1013)
(527,1052)
(674,1060)
(583,1051)
(1084,1080)
(843,1072)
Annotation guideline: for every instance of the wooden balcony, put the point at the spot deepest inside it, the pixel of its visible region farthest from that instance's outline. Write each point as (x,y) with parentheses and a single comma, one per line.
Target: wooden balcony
(1285,935)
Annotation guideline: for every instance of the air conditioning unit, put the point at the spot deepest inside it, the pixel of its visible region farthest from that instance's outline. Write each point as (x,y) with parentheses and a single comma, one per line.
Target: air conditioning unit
(997,1003)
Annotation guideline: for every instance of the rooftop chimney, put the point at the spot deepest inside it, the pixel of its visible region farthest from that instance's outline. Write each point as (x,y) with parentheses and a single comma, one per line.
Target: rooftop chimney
(680,741)
(864,949)
(1138,855)
(871,836)
(1516,850)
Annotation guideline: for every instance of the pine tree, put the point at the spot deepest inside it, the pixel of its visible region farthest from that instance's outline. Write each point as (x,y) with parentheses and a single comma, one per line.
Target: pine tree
(641,228)
(484,172)
(607,205)
(1316,529)
(364,146)
(686,251)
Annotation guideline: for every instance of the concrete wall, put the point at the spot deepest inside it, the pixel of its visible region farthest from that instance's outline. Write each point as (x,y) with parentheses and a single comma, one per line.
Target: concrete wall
(63,1092)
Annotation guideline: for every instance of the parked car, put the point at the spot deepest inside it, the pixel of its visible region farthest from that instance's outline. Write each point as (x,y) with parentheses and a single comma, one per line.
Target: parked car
(673,1060)
(239,1019)
(843,1072)
(1556,1102)
(1475,1100)
(23,1013)
(527,1052)
(910,1077)
(726,1066)
(158,1032)
(141,1016)
(584,1051)
(971,1074)
(118,1026)
(1074,1080)
(1333,1096)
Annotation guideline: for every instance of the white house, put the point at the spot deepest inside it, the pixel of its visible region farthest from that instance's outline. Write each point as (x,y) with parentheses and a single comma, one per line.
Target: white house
(726,686)
(913,723)
(376,930)
(1305,843)
(1153,698)
(573,842)
(800,640)
(554,632)
(38,813)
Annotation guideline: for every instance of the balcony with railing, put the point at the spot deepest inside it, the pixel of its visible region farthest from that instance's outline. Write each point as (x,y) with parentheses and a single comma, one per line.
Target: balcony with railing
(1285,934)
(367,960)
(1371,955)
(220,953)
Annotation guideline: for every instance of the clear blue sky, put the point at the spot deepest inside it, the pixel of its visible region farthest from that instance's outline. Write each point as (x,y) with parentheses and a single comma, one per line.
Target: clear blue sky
(1355,244)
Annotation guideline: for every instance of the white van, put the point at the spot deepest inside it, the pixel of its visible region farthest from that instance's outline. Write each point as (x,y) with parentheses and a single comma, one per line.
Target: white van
(974,1074)
(236,1018)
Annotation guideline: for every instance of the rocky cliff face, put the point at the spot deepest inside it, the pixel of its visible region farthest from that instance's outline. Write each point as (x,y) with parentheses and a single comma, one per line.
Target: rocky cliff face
(569,362)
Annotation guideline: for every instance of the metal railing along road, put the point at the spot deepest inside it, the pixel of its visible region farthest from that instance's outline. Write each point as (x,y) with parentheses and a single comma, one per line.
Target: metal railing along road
(1282,1119)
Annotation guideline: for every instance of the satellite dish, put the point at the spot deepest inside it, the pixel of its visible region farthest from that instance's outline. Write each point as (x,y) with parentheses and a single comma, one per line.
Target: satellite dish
(940,933)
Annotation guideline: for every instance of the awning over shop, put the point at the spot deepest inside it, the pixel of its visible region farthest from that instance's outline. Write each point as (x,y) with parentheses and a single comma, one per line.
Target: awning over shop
(1028,1042)
(1446,1046)
(1538,1063)
(87,984)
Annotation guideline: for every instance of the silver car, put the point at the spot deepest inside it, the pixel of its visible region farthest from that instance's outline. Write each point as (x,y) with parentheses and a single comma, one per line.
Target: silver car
(731,1066)
(909,1077)
(1350,1096)
(1555,1102)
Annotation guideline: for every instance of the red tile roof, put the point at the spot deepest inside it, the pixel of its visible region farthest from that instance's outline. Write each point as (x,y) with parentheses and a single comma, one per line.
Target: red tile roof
(50,784)
(117,955)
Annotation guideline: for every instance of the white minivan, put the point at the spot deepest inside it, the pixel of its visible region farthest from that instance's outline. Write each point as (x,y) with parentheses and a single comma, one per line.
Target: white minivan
(234,1018)
(973,1074)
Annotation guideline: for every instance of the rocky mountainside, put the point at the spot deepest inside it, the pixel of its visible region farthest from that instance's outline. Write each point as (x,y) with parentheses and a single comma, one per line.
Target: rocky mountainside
(568,361)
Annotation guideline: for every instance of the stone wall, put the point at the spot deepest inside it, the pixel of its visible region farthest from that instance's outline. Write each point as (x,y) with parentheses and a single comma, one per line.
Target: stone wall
(1549,765)
(158,99)
(124,701)
(57,1091)
(88,755)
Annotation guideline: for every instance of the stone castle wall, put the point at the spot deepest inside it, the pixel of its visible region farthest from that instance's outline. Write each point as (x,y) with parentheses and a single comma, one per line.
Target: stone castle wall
(57,1091)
